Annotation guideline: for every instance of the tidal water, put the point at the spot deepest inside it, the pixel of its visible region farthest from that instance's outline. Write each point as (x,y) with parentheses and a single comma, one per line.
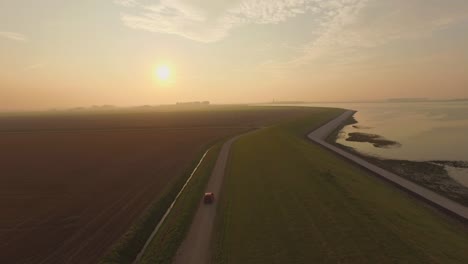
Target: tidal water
(427,131)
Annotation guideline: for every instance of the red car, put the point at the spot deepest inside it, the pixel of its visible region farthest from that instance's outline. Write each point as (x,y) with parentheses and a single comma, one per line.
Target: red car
(208,198)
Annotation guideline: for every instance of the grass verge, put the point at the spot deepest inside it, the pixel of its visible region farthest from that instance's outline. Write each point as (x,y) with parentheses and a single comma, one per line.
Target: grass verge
(164,245)
(287,200)
(128,247)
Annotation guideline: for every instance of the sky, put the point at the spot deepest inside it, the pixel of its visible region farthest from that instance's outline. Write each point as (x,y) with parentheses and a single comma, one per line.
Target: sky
(61,54)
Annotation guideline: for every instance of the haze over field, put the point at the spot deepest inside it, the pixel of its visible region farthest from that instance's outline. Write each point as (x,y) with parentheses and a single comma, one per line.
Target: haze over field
(233,131)
(58,54)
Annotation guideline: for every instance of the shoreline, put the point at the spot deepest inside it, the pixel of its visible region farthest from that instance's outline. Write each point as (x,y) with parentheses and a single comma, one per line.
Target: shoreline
(430,174)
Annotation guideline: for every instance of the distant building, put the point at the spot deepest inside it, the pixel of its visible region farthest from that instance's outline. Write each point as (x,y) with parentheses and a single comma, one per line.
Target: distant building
(194,103)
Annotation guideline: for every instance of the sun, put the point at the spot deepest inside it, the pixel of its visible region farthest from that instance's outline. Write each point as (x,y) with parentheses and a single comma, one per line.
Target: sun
(163,73)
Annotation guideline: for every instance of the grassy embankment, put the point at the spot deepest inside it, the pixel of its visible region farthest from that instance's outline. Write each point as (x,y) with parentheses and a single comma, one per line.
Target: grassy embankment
(287,200)
(167,240)
(170,235)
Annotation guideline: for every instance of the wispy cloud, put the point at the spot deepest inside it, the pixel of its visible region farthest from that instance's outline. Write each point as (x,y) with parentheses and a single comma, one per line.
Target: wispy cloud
(126,3)
(173,17)
(341,31)
(13,36)
(186,19)
(357,27)
(35,66)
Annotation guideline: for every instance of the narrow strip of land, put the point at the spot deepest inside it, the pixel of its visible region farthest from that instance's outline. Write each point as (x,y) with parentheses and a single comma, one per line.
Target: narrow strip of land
(158,226)
(195,249)
(319,135)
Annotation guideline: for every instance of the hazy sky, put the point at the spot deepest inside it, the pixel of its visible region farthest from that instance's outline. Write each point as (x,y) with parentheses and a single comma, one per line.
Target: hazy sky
(58,53)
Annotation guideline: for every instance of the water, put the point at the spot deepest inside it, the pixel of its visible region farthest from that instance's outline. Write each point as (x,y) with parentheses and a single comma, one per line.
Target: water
(426,131)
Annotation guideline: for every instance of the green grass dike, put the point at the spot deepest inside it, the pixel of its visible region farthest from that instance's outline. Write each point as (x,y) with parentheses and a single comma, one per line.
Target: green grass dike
(287,200)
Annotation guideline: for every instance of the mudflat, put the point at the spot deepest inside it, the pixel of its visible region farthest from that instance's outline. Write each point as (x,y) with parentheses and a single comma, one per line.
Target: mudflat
(376,140)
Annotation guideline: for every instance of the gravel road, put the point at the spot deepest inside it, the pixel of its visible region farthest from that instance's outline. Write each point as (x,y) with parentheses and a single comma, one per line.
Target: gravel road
(319,135)
(195,249)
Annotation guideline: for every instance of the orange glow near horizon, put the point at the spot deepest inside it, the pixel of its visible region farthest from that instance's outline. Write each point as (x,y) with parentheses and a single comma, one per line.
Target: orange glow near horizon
(131,52)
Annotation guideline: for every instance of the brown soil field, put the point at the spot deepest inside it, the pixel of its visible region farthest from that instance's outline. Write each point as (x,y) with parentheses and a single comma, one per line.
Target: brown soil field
(72,184)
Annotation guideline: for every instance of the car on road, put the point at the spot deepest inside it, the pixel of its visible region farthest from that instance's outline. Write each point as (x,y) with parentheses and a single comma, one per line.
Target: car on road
(208,198)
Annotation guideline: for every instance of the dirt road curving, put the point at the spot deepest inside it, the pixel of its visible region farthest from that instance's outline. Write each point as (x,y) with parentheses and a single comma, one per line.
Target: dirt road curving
(319,135)
(195,249)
